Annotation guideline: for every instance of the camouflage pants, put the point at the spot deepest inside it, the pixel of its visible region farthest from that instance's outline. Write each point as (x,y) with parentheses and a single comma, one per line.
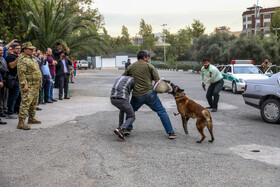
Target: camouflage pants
(29,101)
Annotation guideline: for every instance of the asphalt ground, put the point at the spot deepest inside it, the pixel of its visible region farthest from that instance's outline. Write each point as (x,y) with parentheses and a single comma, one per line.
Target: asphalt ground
(75,144)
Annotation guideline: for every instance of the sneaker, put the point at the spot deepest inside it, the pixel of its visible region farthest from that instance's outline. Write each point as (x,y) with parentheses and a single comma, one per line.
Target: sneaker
(118,131)
(126,132)
(13,116)
(172,135)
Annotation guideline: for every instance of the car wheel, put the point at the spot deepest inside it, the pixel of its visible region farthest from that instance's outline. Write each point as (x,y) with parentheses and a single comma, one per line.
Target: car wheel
(270,111)
(234,88)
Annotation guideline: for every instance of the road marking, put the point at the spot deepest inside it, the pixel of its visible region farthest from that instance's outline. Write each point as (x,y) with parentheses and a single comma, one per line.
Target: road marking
(263,153)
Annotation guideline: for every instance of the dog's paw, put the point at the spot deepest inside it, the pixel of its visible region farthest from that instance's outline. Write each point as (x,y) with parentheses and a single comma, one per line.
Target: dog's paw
(198,141)
(187,132)
(211,141)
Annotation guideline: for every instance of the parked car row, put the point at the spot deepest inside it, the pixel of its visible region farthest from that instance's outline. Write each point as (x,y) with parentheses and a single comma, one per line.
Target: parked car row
(260,87)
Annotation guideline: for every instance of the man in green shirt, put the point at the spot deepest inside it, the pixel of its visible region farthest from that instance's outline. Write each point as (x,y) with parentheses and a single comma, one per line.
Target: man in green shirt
(210,74)
(143,74)
(266,64)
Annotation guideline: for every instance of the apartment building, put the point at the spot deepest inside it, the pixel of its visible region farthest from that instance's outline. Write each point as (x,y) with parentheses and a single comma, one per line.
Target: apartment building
(260,16)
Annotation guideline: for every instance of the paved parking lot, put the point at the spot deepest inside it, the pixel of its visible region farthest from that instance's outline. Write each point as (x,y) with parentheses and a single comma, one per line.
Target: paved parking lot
(76,146)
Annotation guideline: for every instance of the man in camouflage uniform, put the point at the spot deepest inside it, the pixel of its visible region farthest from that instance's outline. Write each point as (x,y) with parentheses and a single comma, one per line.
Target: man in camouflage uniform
(30,81)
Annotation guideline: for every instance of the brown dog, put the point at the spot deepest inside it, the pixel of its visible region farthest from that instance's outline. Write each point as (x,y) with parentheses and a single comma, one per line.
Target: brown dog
(190,109)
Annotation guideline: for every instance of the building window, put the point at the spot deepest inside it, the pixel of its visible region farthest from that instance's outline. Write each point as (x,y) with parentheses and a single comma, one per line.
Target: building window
(244,19)
(249,25)
(266,24)
(266,16)
(249,18)
(244,27)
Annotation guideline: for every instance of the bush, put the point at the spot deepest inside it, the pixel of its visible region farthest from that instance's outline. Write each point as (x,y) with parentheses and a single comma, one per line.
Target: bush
(175,66)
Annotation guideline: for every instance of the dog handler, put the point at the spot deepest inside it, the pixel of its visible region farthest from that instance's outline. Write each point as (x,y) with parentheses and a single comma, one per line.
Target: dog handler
(120,99)
(143,74)
(210,74)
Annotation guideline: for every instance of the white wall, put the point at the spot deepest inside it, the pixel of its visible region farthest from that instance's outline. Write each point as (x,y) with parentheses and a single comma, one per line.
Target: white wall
(108,62)
(133,59)
(98,62)
(121,60)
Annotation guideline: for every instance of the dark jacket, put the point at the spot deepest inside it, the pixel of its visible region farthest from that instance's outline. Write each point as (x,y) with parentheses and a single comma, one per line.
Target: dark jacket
(56,54)
(60,68)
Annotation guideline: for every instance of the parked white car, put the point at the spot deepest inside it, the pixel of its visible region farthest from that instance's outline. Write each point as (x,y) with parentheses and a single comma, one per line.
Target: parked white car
(83,64)
(236,73)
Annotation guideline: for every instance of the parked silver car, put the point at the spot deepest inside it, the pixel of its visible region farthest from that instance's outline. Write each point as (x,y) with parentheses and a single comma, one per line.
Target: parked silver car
(264,94)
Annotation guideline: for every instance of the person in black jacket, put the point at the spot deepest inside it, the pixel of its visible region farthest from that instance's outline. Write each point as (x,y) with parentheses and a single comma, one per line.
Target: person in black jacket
(59,48)
(57,51)
(62,75)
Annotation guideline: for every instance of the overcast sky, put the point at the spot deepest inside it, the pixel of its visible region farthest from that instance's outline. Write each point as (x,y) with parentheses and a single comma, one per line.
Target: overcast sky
(177,14)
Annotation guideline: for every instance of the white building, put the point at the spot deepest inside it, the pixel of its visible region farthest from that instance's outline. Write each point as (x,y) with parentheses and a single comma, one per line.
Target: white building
(115,60)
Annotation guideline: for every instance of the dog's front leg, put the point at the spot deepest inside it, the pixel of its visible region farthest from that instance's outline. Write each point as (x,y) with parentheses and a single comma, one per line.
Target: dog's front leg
(185,123)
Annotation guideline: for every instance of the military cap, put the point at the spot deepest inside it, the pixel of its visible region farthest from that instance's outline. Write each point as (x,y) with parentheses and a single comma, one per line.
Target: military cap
(27,45)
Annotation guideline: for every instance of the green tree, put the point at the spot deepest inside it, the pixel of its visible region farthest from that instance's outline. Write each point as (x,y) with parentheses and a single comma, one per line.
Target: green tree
(10,13)
(146,31)
(275,21)
(50,21)
(197,29)
(214,47)
(125,36)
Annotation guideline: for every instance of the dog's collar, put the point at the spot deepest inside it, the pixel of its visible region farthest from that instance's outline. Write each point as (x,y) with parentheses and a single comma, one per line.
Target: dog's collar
(179,94)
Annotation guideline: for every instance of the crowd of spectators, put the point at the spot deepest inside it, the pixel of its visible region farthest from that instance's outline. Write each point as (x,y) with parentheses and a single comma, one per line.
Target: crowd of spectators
(55,66)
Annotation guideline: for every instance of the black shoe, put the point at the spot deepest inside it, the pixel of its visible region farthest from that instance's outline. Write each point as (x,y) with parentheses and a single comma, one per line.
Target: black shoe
(60,98)
(3,122)
(214,110)
(209,107)
(53,100)
(66,97)
(38,108)
(72,82)
(3,115)
(42,103)
(48,101)
(126,132)
(172,135)
(118,131)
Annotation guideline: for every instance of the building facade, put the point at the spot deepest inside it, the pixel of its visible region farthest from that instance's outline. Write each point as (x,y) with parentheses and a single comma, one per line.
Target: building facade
(259,18)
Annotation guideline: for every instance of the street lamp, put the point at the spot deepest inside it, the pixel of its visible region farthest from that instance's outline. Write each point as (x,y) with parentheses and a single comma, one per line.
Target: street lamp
(276,29)
(256,15)
(163,25)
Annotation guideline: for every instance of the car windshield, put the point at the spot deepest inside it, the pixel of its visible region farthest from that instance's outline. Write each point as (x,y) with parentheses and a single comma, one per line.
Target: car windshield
(246,70)
(84,62)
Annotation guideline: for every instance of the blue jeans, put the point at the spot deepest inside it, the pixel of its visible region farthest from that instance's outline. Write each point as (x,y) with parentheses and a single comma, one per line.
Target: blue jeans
(75,70)
(151,99)
(51,88)
(13,95)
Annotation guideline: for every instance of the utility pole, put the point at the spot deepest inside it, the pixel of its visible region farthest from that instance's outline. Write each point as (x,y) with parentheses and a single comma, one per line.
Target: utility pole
(256,15)
(164,53)
(276,29)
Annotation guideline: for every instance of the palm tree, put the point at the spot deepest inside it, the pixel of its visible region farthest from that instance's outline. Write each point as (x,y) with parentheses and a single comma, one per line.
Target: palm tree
(50,21)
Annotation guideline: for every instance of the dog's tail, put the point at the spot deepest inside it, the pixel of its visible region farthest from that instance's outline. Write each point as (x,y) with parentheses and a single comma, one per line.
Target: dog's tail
(207,116)
(209,123)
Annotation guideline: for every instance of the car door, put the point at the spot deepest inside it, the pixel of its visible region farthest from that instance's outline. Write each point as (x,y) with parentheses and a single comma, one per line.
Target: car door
(226,76)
